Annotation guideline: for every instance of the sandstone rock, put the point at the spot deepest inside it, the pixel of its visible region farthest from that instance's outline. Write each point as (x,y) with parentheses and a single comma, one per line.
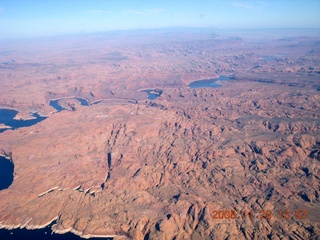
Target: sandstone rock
(133,168)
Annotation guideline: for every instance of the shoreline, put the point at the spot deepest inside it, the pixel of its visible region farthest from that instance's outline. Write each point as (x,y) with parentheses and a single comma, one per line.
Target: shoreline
(51,224)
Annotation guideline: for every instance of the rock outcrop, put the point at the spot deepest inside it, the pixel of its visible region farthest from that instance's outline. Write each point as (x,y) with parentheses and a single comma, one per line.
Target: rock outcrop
(171,168)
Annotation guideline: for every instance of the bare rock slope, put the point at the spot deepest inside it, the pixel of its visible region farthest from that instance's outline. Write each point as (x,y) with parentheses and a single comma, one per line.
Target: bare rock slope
(142,171)
(173,167)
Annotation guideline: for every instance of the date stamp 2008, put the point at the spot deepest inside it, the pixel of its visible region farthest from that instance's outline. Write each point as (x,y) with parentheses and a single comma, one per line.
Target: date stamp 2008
(263,214)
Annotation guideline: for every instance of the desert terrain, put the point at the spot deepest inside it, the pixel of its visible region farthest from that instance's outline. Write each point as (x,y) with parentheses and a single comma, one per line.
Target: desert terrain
(129,167)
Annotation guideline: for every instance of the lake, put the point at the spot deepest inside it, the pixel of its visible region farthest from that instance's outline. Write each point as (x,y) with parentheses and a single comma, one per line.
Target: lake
(7,115)
(39,234)
(153,93)
(7,118)
(83,101)
(211,83)
(6,173)
(55,103)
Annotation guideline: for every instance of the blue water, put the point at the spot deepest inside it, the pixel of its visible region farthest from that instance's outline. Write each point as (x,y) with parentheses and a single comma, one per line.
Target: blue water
(7,115)
(205,83)
(55,104)
(83,102)
(151,95)
(7,118)
(6,173)
(39,234)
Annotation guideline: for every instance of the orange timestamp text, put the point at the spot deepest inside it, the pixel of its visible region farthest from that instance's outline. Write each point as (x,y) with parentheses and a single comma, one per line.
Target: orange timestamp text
(262,214)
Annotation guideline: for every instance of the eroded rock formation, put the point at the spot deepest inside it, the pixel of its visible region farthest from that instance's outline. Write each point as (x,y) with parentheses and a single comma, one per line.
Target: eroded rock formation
(132,168)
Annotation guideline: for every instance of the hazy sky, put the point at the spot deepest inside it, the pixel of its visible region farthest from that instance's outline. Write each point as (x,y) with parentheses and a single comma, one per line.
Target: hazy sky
(27,18)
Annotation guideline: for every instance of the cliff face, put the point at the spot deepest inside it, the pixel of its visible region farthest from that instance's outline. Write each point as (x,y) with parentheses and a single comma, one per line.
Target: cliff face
(159,171)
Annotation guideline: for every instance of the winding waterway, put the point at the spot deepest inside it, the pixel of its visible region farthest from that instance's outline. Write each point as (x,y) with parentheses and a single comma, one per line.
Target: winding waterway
(7,118)
(55,103)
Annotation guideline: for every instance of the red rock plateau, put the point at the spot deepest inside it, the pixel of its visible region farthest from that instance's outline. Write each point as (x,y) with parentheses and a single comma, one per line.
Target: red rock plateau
(134,168)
